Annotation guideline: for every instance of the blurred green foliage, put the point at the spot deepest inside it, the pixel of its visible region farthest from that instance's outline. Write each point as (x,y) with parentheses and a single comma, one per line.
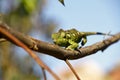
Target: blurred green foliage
(24,16)
(19,16)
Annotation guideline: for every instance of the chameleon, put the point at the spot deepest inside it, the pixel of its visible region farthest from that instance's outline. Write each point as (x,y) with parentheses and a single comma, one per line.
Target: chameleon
(71,38)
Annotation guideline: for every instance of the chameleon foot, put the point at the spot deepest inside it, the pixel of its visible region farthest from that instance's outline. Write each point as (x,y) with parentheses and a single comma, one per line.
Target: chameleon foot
(78,49)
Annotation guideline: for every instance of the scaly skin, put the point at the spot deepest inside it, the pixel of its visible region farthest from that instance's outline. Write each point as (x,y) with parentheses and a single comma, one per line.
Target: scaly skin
(70,39)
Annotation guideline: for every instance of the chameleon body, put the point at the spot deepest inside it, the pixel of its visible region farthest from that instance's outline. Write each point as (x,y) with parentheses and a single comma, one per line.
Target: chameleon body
(70,39)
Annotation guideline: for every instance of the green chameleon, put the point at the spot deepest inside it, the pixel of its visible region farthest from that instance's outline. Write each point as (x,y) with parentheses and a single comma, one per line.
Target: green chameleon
(70,39)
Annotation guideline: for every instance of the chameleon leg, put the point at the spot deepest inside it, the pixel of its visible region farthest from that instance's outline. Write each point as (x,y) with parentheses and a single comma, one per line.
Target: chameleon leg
(73,45)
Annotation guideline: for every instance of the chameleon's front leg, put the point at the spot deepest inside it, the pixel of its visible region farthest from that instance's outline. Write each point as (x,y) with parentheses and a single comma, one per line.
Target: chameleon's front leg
(73,45)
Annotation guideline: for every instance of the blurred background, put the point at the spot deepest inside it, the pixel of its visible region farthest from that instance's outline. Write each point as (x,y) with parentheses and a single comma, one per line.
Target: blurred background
(41,18)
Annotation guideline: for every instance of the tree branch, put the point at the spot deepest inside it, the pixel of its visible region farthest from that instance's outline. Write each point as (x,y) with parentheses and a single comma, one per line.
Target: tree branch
(33,55)
(56,51)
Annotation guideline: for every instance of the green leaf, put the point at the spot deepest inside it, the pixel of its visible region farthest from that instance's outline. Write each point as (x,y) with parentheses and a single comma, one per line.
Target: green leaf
(62,1)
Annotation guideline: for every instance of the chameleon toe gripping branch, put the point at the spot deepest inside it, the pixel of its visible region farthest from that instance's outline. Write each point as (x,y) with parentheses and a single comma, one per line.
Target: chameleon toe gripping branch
(70,39)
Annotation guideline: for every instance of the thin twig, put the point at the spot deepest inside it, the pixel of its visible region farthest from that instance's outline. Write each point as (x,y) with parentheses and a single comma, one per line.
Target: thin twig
(44,74)
(72,69)
(33,55)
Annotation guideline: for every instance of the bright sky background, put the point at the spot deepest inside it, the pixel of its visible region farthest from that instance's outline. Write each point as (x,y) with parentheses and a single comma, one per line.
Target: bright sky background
(89,15)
